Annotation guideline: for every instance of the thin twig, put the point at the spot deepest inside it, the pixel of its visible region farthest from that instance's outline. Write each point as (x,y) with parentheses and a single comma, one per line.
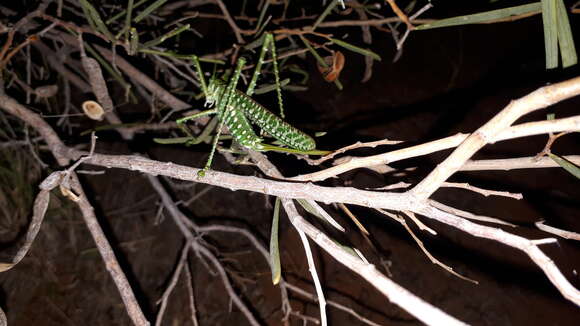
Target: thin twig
(562,233)
(530,162)
(484,192)
(174,278)
(108,255)
(468,215)
(356,145)
(191,294)
(176,215)
(434,260)
(332,303)
(315,279)
(230,21)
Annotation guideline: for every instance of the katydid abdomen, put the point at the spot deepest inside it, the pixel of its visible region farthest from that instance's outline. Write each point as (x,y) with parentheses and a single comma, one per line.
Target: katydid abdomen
(266,120)
(240,128)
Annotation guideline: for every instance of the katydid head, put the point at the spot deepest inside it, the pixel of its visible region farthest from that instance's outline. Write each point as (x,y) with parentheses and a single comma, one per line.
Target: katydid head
(213,91)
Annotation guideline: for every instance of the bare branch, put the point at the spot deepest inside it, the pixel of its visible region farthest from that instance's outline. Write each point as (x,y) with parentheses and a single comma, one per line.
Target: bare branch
(562,233)
(536,100)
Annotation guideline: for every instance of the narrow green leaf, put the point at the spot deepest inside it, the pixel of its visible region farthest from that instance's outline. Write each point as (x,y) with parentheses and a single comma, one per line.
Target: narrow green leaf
(295,88)
(181,56)
(565,38)
(165,37)
(88,16)
(483,16)
(206,133)
(147,11)
(296,69)
(120,14)
(170,141)
(566,165)
(214,61)
(274,246)
(262,15)
(550,21)
(304,203)
(320,213)
(271,87)
(127,26)
(325,13)
(356,49)
(96,18)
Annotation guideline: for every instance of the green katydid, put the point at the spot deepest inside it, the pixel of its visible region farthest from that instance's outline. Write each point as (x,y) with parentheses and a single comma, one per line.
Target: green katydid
(233,109)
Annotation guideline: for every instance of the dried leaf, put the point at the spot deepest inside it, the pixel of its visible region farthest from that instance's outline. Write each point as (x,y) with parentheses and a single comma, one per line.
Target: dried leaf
(334,63)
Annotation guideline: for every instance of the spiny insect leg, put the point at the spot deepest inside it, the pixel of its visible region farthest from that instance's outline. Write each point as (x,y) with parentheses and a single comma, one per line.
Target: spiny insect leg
(268,44)
(276,75)
(199,74)
(196,115)
(181,123)
(252,85)
(223,106)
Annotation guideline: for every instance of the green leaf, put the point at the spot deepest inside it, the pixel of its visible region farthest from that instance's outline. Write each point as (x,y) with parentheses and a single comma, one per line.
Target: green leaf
(165,37)
(320,213)
(355,48)
(550,21)
(147,11)
(325,13)
(96,19)
(274,247)
(565,38)
(262,15)
(88,16)
(271,87)
(566,165)
(170,141)
(127,27)
(483,16)
(120,14)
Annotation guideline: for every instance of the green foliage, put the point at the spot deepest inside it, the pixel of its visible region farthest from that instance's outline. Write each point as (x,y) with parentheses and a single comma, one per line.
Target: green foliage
(95,19)
(483,17)
(557,30)
(356,49)
(142,15)
(566,165)
(274,246)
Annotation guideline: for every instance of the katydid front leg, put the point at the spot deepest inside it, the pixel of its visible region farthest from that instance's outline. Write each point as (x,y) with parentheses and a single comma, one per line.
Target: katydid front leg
(181,124)
(222,108)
